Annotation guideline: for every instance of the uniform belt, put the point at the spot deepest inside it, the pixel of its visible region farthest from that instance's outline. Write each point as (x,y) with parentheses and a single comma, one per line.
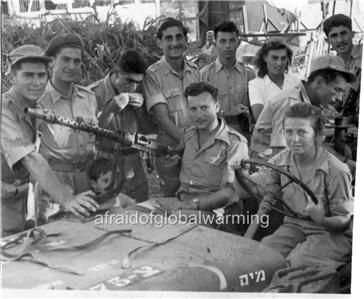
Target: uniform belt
(68,166)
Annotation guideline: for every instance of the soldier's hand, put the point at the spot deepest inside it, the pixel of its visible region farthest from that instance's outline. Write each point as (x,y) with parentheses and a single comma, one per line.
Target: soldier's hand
(264,208)
(170,204)
(316,211)
(82,204)
(266,205)
(119,102)
(136,99)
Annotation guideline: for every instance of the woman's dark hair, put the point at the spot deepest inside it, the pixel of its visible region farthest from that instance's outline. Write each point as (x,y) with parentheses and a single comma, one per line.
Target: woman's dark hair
(273,44)
(98,167)
(307,111)
(195,89)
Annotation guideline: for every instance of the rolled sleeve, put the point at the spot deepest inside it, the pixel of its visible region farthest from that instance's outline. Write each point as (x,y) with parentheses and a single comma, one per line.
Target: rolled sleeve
(237,151)
(261,137)
(152,92)
(339,193)
(256,92)
(264,123)
(15,142)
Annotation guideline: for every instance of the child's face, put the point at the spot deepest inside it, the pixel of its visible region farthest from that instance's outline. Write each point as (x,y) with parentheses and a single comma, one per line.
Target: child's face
(101,183)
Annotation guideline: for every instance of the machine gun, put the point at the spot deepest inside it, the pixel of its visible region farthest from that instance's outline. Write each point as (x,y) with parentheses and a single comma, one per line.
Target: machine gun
(135,141)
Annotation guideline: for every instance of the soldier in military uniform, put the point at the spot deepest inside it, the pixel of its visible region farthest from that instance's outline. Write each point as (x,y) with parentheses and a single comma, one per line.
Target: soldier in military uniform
(119,103)
(338,29)
(19,156)
(163,88)
(210,148)
(231,78)
(68,151)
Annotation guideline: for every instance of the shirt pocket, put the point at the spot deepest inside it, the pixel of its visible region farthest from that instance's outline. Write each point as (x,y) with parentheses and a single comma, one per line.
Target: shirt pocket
(213,167)
(177,106)
(62,136)
(240,94)
(215,157)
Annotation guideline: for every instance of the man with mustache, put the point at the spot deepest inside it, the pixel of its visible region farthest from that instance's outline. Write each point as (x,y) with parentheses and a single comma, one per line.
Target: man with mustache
(163,87)
(231,78)
(68,151)
(19,138)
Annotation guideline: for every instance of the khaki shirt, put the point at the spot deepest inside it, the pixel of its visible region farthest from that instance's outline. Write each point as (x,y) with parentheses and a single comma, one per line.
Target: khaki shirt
(268,131)
(125,120)
(232,85)
(162,84)
(18,137)
(208,169)
(62,143)
(354,64)
(329,180)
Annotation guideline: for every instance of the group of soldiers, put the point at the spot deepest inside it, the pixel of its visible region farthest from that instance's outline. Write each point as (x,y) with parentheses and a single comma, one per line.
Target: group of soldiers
(216,116)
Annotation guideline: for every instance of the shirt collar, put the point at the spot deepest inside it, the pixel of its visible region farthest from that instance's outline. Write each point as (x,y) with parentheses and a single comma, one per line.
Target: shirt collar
(56,95)
(168,69)
(109,89)
(320,163)
(223,132)
(219,66)
(356,51)
(18,103)
(267,80)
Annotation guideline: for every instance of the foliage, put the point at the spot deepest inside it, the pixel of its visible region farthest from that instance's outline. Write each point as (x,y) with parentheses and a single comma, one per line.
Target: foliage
(104,42)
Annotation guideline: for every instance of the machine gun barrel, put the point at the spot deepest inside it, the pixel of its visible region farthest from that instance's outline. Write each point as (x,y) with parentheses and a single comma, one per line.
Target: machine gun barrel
(134,140)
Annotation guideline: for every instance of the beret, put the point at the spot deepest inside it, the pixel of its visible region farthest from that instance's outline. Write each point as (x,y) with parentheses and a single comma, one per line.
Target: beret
(71,40)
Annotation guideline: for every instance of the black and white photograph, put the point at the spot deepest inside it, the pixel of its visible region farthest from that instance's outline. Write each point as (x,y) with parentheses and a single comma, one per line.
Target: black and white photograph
(181,148)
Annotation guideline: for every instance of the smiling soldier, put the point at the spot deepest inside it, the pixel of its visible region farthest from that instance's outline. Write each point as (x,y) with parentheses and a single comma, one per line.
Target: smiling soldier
(163,87)
(67,151)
